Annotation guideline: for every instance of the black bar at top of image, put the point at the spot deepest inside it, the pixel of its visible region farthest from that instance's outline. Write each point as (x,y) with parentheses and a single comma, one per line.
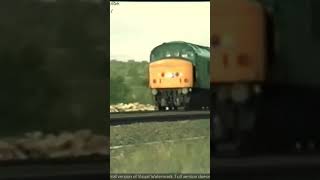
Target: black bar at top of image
(164,1)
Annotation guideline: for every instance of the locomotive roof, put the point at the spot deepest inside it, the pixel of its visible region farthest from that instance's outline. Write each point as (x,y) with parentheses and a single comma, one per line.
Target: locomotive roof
(199,50)
(202,51)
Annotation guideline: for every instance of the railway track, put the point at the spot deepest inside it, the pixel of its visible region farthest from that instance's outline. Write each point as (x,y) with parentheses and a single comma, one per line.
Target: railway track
(156,116)
(267,167)
(72,168)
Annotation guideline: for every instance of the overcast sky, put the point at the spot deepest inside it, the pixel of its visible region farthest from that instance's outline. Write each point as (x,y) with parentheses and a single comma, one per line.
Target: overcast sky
(137,27)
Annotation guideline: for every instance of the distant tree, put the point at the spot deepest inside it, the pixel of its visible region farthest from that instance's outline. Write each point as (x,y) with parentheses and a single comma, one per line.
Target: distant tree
(133,70)
(119,91)
(144,62)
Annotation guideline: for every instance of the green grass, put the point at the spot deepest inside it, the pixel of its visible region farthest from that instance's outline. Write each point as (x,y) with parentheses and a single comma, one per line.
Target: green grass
(148,132)
(181,157)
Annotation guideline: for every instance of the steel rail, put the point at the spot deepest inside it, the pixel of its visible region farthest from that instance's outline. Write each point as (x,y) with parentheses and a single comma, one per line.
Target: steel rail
(157,116)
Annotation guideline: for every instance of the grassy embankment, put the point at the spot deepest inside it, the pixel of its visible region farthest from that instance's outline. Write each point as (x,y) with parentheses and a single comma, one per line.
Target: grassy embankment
(179,156)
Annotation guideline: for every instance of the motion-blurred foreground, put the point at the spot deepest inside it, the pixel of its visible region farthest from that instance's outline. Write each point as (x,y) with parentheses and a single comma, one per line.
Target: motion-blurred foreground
(53,74)
(52,66)
(264,74)
(37,145)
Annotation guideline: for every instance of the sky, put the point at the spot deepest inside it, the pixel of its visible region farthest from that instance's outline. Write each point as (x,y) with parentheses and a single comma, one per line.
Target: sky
(137,27)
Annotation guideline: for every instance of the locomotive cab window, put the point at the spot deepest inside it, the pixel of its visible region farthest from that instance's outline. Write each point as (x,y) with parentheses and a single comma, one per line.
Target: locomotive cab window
(190,54)
(184,53)
(152,57)
(177,53)
(168,54)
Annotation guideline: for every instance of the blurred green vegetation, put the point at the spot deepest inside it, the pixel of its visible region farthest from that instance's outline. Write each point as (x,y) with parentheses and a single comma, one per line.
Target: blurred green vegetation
(158,131)
(180,157)
(192,156)
(52,65)
(129,82)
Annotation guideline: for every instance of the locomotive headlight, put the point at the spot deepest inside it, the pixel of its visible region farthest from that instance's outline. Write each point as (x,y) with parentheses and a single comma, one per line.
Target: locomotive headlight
(154,91)
(170,75)
(184,91)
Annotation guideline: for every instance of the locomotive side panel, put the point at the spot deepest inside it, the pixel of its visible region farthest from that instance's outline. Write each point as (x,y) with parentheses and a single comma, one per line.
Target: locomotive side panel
(238,41)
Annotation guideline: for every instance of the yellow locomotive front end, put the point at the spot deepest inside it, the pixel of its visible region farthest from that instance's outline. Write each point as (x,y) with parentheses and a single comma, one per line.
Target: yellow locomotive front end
(171,81)
(170,73)
(238,64)
(238,41)
(176,71)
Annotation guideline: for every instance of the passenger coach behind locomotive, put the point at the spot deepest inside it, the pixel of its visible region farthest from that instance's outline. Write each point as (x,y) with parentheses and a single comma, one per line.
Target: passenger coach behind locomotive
(178,71)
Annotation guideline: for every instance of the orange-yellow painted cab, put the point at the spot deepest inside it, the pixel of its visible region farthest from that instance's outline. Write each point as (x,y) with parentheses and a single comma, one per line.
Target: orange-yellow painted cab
(237,41)
(175,69)
(171,73)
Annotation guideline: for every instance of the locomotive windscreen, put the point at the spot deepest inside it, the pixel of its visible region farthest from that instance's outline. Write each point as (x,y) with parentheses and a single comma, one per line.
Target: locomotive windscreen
(171,51)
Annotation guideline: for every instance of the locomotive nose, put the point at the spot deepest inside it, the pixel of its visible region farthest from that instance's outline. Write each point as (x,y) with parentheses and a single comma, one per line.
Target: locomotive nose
(170,73)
